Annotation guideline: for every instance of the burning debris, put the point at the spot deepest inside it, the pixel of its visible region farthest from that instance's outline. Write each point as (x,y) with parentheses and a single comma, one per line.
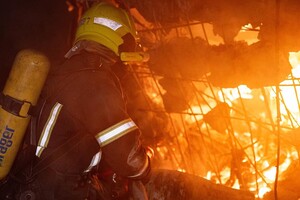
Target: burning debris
(228,66)
(218,117)
(255,66)
(170,185)
(227,17)
(226,135)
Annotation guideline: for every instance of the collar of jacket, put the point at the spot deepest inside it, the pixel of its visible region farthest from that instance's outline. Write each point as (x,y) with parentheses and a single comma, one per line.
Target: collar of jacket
(94,48)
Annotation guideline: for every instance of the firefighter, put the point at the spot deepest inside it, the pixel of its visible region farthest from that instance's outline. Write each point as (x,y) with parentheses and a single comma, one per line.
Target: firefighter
(83,131)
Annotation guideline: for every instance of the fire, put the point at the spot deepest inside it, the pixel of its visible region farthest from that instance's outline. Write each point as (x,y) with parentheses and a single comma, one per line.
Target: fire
(235,147)
(232,94)
(249,134)
(289,110)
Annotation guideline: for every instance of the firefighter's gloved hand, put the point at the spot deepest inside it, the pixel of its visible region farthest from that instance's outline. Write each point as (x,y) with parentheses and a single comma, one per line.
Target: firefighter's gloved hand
(137,187)
(138,190)
(144,174)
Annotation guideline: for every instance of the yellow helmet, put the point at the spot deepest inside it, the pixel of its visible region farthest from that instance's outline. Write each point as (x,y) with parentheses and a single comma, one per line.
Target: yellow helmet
(108,25)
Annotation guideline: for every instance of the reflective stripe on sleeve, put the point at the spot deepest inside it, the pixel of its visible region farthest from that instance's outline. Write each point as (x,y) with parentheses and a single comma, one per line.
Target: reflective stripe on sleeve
(47,130)
(114,132)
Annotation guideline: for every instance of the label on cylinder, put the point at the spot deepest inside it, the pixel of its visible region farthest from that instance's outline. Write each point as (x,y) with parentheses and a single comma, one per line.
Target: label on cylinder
(5,142)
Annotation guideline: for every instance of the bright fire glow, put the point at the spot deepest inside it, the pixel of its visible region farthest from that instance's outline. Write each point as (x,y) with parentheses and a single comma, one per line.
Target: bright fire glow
(251,132)
(289,109)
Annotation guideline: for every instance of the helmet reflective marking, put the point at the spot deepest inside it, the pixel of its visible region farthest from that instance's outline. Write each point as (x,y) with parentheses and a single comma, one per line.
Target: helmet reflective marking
(107,22)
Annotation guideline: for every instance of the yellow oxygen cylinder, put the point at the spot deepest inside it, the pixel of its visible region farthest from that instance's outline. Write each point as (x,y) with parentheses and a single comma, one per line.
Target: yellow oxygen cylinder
(20,93)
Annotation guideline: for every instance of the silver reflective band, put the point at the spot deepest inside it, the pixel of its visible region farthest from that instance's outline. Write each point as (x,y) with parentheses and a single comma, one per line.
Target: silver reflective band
(47,130)
(107,22)
(114,132)
(95,161)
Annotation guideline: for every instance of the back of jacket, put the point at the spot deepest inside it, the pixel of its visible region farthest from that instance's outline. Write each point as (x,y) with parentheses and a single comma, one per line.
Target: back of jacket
(84,97)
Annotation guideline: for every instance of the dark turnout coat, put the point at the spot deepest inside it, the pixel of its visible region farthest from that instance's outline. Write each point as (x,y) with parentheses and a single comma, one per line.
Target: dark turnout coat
(83,98)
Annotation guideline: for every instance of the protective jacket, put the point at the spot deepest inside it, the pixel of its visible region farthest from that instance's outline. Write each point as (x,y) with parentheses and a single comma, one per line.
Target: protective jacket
(82,97)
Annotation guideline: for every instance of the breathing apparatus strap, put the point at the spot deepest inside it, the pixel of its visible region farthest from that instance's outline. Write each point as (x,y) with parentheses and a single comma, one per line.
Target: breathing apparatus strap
(15,106)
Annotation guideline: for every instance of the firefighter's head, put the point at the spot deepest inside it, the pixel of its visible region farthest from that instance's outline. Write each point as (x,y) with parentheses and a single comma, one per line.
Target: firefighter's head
(109,26)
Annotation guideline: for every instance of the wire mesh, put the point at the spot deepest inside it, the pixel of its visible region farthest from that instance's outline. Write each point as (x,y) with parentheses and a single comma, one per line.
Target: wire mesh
(227,135)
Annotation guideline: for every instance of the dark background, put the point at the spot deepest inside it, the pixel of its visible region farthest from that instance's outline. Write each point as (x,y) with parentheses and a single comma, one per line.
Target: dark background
(44,25)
